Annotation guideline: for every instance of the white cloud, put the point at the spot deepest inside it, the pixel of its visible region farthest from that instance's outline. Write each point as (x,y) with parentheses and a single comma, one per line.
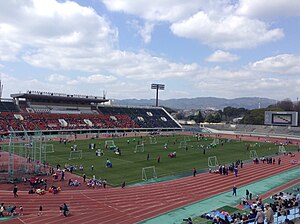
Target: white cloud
(56,78)
(226,32)
(143,66)
(13,84)
(222,56)
(8,46)
(253,84)
(217,23)
(96,79)
(146,31)
(35,26)
(155,10)
(280,64)
(274,8)
(69,37)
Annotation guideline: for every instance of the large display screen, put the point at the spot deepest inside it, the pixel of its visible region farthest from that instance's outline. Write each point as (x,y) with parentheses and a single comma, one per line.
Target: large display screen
(281,118)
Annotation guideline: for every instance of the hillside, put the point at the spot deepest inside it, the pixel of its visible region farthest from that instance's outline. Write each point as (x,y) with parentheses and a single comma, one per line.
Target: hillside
(201,102)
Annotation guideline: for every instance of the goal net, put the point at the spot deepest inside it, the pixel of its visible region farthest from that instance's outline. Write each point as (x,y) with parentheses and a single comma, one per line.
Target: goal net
(186,138)
(48,148)
(149,173)
(182,144)
(152,140)
(212,161)
(139,148)
(216,141)
(253,154)
(110,144)
(281,149)
(75,154)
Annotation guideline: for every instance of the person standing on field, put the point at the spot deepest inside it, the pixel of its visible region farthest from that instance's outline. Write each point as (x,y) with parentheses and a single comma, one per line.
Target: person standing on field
(234,190)
(194,172)
(15,191)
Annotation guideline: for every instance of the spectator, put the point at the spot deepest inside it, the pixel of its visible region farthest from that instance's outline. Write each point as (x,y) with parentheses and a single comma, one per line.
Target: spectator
(15,191)
(2,209)
(123,184)
(247,194)
(260,216)
(21,210)
(298,200)
(65,210)
(40,212)
(269,213)
(234,190)
(194,172)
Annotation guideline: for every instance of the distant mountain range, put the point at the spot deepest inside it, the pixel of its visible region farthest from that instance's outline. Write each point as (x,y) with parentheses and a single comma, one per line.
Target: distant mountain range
(201,102)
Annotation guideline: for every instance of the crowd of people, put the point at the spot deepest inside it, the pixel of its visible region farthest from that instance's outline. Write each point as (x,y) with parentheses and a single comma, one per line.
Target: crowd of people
(12,210)
(97,183)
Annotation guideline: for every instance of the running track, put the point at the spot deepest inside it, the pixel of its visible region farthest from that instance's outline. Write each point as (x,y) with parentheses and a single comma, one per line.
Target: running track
(134,204)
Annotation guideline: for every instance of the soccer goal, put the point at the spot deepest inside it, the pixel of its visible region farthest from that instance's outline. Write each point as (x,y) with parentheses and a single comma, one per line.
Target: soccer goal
(182,144)
(149,173)
(216,141)
(48,148)
(75,154)
(212,161)
(186,138)
(110,144)
(139,148)
(281,149)
(253,154)
(152,140)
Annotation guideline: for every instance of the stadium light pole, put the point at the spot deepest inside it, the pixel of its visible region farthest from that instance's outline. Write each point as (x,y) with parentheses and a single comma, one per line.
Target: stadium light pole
(157,87)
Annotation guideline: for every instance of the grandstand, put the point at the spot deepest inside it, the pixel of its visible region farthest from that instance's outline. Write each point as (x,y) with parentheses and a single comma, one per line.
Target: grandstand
(53,112)
(254,129)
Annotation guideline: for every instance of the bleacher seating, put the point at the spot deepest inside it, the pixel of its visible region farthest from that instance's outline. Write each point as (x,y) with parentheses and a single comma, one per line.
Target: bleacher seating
(256,129)
(18,121)
(8,107)
(143,117)
(31,116)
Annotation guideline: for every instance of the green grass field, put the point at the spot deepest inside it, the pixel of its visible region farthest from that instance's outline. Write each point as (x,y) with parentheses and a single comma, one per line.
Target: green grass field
(128,166)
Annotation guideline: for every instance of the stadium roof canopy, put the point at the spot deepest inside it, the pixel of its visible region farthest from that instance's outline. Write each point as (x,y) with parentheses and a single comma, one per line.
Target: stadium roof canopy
(37,96)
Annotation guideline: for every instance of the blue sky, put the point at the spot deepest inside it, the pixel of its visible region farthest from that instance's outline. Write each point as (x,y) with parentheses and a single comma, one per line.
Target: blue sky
(220,48)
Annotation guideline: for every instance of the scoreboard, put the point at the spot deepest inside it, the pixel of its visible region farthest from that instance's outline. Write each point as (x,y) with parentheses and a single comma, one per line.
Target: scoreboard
(283,118)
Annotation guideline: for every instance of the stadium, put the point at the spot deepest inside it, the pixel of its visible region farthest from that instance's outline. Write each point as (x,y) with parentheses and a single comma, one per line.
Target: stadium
(149,112)
(134,164)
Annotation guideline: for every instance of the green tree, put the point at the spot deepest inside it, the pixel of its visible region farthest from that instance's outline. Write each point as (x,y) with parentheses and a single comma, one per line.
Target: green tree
(257,116)
(198,118)
(213,118)
(232,112)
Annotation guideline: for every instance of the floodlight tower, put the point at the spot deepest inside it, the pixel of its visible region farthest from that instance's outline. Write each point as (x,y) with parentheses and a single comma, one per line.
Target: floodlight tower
(157,87)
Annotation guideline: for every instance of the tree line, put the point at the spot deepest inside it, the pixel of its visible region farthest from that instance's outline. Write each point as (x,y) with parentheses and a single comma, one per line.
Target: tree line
(255,116)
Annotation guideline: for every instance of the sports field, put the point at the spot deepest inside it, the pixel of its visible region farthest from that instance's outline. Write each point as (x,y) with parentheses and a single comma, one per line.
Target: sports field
(128,166)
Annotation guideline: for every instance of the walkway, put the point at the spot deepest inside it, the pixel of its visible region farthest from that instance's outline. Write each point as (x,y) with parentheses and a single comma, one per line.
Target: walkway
(198,208)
